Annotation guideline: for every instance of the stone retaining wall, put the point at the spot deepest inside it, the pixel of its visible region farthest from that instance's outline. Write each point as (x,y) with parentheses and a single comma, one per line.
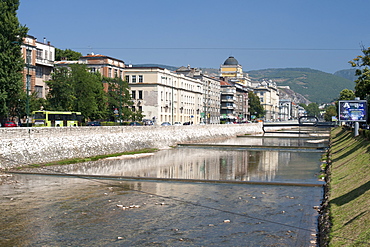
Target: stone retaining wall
(22,146)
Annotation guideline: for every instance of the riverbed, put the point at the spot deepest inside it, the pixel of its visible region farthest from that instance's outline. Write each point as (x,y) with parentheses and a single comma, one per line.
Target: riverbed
(59,210)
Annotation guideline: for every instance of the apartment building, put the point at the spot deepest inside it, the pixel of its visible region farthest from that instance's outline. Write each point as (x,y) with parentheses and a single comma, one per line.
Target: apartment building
(234,102)
(268,93)
(211,94)
(39,64)
(107,66)
(234,91)
(165,96)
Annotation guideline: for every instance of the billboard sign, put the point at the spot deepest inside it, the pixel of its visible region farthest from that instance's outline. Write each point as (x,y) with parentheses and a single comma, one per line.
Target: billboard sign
(353,110)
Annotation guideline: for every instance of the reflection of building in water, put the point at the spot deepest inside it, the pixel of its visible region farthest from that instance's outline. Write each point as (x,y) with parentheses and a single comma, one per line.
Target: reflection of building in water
(189,163)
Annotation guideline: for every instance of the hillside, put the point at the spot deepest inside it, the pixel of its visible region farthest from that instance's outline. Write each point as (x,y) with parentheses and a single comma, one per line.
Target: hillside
(347,73)
(315,85)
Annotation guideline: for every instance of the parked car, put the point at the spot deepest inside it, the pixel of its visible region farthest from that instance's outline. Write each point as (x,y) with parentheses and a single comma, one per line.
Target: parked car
(135,124)
(177,124)
(147,122)
(165,124)
(10,124)
(93,123)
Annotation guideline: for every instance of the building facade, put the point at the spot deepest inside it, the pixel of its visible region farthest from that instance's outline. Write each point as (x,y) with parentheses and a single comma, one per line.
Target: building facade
(234,91)
(39,64)
(107,66)
(165,96)
(268,93)
(211,94)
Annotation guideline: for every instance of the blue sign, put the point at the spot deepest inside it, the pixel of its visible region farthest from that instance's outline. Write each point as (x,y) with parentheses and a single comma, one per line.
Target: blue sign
(353,110)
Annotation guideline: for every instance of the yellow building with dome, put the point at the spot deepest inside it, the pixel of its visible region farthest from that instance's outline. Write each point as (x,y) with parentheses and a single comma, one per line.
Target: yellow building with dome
(232,71)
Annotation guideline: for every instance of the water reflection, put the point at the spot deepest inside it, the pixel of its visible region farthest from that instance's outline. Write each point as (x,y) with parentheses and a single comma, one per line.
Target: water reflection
(209,164)
(260,141)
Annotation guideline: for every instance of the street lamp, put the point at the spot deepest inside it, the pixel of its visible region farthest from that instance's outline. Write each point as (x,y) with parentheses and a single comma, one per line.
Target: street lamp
(28,82)
(28,78)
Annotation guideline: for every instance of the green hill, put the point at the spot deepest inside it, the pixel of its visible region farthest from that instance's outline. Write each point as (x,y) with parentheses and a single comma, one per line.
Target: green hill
(315,85)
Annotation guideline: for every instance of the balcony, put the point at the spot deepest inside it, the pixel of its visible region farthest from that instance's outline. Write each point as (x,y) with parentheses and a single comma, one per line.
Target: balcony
(45,62)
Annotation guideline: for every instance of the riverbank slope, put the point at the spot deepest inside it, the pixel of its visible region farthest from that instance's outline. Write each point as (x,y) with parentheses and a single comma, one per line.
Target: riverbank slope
(349,189)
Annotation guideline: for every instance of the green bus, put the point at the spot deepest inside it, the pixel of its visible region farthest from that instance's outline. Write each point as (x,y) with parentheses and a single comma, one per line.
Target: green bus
(56,118)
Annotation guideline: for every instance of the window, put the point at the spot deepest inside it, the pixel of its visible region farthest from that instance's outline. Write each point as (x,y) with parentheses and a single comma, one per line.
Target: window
(133,108)
(133,79)
(127,78)
(93,70)
(39,54)
(38,90)
(140,108)
(133,94)
(29,56)
(140,94)
(140,78)
(110,72)
(39,72)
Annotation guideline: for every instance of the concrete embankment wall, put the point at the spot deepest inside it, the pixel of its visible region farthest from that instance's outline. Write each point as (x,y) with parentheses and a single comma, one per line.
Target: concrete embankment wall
(22,146)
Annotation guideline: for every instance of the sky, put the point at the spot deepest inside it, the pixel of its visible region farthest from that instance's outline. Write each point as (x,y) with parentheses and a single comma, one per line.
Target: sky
(260,34)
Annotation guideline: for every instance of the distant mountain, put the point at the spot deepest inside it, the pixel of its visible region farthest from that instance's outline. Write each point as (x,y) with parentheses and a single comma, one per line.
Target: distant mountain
(286,93)
(347,73)
(315,85)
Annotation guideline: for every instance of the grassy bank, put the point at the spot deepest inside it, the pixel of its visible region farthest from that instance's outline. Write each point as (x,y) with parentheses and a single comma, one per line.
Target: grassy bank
(349,189)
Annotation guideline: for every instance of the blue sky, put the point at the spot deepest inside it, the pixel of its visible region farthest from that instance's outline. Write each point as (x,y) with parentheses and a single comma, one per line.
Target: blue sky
(260,34)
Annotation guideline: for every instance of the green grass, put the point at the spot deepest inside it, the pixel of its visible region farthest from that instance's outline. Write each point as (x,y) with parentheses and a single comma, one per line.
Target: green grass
(349,190)
(93,158)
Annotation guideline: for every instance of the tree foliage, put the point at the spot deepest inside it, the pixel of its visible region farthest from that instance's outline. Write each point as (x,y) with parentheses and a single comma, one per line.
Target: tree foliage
(312,109)
(255,107)
(119,98)
(66,54)
(346,94)
(76,89)
(330,112)
(11,61)
(362,62)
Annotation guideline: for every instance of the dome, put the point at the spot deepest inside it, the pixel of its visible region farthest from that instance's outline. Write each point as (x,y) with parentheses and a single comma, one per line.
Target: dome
(231,61)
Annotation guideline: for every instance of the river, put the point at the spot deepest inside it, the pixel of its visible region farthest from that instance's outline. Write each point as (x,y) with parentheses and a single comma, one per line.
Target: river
(207,198)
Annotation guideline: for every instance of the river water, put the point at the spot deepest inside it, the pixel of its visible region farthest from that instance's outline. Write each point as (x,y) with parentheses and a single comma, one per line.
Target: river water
(200,202)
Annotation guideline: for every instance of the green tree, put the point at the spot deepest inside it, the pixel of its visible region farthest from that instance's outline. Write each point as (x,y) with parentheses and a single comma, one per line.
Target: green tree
(330,112)
(61,95)
(119,98)
(76,89)
(67,54)
(346,94)
(11,61)
(255,107)
(313,110)
(362,88)
(89,92)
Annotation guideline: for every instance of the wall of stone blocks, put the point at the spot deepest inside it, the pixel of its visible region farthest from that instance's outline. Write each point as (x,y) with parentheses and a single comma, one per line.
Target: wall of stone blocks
(23,146)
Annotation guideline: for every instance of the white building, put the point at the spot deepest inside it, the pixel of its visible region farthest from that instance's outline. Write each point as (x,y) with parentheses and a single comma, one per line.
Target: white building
(268,93)
(164,95)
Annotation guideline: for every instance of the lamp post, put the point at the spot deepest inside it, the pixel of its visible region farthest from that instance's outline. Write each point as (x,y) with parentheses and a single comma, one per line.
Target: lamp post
(28,78)
(28,81)
(172,103)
